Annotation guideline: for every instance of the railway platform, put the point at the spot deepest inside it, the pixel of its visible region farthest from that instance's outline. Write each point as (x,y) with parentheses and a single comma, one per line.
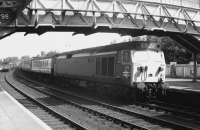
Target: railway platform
(14,116)
(184,92)
(183,84)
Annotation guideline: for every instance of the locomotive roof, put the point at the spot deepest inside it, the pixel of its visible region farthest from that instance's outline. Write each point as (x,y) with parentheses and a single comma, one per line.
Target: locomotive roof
(136,45)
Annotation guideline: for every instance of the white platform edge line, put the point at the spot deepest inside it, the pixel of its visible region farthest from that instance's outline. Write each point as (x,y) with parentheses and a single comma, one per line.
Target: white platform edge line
(45,126)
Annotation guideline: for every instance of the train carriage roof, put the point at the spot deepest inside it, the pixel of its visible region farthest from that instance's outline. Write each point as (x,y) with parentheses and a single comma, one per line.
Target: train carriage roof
(42,58)
(136,45)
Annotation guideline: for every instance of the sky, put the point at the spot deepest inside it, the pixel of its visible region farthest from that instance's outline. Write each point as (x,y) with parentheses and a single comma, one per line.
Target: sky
(32,44)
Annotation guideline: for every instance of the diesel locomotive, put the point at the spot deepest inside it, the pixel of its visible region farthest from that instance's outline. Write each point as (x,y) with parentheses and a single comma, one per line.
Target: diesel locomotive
(138,64)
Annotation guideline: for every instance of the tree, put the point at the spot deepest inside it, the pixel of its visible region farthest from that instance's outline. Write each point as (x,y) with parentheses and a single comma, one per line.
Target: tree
(174,52)
(8,60)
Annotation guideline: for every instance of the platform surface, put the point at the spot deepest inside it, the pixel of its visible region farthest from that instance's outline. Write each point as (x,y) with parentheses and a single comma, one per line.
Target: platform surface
(14,116)
(183,84)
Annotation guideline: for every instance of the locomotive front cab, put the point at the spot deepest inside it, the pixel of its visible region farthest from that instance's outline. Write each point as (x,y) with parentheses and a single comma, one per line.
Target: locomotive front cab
(148,71)
(148,66)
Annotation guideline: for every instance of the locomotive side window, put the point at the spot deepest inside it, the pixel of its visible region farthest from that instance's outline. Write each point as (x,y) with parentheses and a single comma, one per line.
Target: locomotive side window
(126,56)
(123,56)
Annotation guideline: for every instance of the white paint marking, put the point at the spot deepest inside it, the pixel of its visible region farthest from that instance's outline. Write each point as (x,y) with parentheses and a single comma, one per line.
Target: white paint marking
(40,122)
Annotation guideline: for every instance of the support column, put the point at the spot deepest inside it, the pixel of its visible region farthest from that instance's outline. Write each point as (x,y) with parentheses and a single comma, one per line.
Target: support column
(195,67)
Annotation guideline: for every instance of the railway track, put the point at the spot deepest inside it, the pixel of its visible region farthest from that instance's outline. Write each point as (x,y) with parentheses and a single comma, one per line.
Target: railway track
(103,107)
(121,125)
(137,123)
(178,110)
(55,120)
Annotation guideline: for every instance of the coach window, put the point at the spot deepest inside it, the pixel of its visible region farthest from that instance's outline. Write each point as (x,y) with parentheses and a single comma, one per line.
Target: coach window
(47,62)
(68,56)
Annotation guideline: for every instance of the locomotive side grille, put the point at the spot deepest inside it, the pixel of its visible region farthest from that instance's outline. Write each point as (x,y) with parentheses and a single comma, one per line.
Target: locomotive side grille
(105,66)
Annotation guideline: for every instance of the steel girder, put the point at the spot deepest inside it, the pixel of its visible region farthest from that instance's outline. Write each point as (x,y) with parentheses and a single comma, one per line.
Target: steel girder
(111,14)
